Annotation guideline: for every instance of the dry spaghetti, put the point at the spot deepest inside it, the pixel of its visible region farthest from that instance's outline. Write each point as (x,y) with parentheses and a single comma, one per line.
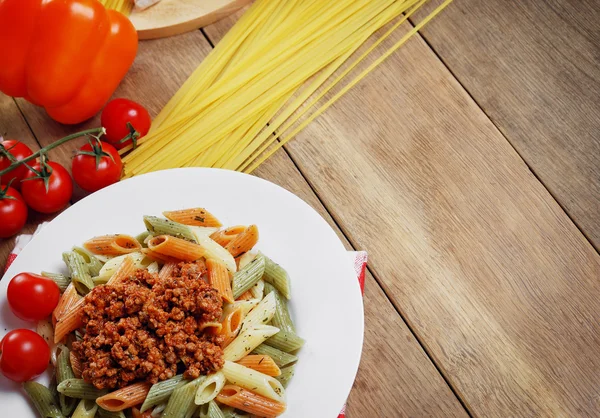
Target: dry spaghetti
(263,83)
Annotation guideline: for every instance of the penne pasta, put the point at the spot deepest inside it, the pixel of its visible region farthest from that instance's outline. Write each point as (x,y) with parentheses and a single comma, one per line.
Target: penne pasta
(243,242)
(66,302)
(261,363)
(250,402)
(61,281)
(250,379)
(158,226)
(42,399)
(194,217)
(245,305)
(209,387)
(227,235)
(103,413)
(245,259)
(112,265)
(211,327)
(161,391)
(125,397)
(70,321)
(247,277)
(153,267)
(262,314)
(218,277)
(85,409)
(281,358)
(282,318)
(112,245)
(161,258)
(213,250)
(167,270)
(247,340)
(93,263)
(286,375)
(231,325)
(211,410)
(76,365)
(80,389)
(176,248)
(79,271)
(246,296)
(126,269)
(64,372)
(286,341)
(181,403)
(258,290)
(141,238)
(277,276)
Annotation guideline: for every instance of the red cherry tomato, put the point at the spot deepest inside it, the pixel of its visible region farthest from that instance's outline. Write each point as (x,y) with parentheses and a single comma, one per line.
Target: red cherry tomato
(32,297)
(60,189)
(115,116)
(13,212)
(93,173)
(19,151)
(24,355)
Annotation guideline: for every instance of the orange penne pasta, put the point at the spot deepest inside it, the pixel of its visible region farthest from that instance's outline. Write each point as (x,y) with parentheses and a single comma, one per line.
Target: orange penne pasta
(194,216)
(161,258)
(247,295)
(112,245)
(125,270)
(211,327)
(176,247)
(250,402)
(70,321)
(261,363)
(231,325)
(167,270)
(225,236)
(75,364)
(66,302)
(243,242)
(125,397)
(218,277)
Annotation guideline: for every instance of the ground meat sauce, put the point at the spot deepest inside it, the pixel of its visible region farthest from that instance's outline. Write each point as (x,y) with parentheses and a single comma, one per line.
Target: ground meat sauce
(147,329)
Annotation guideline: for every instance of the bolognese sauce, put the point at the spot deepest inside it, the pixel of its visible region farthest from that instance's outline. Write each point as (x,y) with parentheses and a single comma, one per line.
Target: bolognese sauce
(149,329)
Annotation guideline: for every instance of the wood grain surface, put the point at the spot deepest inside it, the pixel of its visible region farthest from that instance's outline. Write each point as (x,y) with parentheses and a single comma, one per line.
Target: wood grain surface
(534,68)
(491,274)
(396,378)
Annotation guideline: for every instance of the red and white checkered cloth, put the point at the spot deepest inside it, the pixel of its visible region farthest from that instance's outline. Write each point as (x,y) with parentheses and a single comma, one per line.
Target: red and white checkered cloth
(359,258)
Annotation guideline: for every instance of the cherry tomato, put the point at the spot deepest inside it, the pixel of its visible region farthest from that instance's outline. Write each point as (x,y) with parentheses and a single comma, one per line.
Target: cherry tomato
(19,151)
(13,212)
(32,297)
(60,189)
(24,355)
(93,168)
(115,116)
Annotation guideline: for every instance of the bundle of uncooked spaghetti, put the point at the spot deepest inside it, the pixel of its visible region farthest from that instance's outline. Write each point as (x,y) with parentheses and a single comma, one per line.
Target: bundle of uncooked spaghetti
(267,79)
(123,6)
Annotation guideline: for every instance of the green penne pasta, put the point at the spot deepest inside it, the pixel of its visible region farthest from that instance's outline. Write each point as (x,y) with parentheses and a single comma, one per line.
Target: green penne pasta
(248,276)
(281,358)
(211,410)
(227,411)
(161,391)
(80,389)
(161,226)
(61,280)
(42,399)
(64,372)
(103,413)
(277,276)
(94,265)
(181,403)
(141,238)
(80,272)
(286,375)
(85,409)
(286,341)
(282,318)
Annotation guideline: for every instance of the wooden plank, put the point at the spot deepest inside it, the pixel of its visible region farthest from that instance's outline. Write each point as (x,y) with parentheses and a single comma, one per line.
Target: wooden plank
(490,273)
(395,378)
(534,68)
(13,126)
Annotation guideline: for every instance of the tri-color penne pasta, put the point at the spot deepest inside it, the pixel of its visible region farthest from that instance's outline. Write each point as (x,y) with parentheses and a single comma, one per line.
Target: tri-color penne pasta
(255,340)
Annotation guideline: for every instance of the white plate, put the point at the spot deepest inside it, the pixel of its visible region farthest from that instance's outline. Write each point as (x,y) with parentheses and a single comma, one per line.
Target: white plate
(326,301)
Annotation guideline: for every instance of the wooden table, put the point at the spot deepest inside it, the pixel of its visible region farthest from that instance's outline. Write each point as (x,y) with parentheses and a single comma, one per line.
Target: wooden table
(468,165)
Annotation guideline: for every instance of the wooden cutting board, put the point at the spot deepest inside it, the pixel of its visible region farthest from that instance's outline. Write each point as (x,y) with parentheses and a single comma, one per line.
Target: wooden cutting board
(173,17)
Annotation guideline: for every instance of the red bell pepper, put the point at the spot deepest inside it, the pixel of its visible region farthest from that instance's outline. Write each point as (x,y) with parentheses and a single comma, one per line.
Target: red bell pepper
(68,56)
